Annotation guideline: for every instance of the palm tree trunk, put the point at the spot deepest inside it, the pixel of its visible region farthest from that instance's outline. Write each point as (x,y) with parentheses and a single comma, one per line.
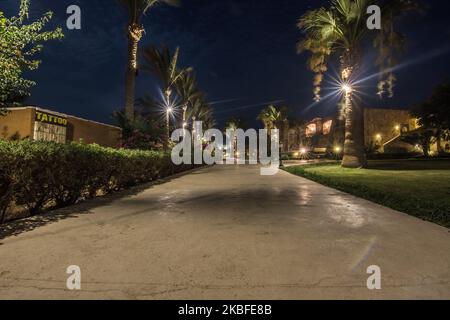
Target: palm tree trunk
(354,154)
(134,36)
(168,130)
(185,107)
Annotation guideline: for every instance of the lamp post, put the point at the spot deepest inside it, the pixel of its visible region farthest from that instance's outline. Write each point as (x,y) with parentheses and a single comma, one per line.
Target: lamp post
(185,107)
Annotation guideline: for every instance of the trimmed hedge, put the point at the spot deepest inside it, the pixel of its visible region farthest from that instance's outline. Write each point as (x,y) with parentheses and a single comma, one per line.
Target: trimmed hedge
(41,175)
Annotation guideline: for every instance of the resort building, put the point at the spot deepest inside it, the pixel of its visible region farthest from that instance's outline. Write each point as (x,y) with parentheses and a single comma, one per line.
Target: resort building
(383,129)
(41,124)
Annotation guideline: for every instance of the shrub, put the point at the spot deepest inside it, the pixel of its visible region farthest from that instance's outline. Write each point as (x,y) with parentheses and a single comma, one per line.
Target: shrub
(41,175)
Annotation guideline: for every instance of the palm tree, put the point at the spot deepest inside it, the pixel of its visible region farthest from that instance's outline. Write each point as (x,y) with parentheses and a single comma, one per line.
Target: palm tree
(271,117)
(165,67)
(341,30)
(187,90)
(235,123)
(208,119)
(136,9)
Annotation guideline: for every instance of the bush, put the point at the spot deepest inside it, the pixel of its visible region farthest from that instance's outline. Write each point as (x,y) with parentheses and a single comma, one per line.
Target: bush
(41,175)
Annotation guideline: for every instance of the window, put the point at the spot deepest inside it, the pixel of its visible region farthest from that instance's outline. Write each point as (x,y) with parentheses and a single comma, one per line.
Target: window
(311,129)
(327,127)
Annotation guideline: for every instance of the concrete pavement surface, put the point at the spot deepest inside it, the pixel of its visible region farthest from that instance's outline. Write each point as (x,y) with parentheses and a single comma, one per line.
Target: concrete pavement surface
(225,232)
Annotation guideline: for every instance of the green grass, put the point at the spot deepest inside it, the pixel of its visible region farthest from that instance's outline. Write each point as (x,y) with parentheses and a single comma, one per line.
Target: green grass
(418,187)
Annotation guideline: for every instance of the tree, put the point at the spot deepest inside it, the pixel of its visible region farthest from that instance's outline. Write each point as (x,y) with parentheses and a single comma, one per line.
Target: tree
(163,65)
(340,30)
(135,30)
(144,132)
(19,43)
(202,111)
(422,137)
(272,117)
(235,123)
(300,127)
(434,114)
(187,90)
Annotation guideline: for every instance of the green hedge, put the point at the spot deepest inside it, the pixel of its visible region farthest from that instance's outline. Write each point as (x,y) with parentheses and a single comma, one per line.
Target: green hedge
(42,175)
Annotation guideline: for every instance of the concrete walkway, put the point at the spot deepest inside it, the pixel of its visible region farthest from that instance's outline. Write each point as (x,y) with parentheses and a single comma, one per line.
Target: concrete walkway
(225,232)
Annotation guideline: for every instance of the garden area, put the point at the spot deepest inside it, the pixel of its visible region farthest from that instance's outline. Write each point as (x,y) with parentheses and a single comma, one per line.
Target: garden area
(420,188)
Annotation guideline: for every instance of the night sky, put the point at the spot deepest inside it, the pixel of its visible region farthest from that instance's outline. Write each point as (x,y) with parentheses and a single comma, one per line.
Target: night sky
(241,50)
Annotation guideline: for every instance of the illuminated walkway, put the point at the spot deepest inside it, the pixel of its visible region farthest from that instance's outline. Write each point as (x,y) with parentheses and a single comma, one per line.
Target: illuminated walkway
(226,232)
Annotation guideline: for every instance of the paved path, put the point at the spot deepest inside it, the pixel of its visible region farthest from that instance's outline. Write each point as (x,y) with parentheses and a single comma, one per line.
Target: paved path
(227,232)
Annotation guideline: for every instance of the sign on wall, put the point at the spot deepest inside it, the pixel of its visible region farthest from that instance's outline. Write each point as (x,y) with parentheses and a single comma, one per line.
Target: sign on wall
(50,127)
(45,117)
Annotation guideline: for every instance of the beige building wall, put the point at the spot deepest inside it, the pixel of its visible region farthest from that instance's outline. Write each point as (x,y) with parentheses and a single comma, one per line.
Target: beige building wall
(85,131)
(383,125)
(18,123)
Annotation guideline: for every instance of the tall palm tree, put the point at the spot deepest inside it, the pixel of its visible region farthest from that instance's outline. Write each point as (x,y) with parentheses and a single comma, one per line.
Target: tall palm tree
(208,119)
(163,65)
(136,9)
(341,30)
(201,110)
(187,90)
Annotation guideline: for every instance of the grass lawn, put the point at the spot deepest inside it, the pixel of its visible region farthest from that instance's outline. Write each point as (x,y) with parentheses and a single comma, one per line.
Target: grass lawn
(418,187)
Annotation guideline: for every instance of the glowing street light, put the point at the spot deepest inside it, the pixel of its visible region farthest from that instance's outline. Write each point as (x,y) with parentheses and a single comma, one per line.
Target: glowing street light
(337,149)
(303,151)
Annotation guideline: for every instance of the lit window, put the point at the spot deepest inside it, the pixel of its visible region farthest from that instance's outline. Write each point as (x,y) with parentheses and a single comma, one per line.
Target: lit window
(311,129)
(327,127)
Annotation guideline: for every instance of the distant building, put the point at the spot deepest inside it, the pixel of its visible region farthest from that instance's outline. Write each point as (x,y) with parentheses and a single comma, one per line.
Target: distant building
(46,125)
(382,131)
